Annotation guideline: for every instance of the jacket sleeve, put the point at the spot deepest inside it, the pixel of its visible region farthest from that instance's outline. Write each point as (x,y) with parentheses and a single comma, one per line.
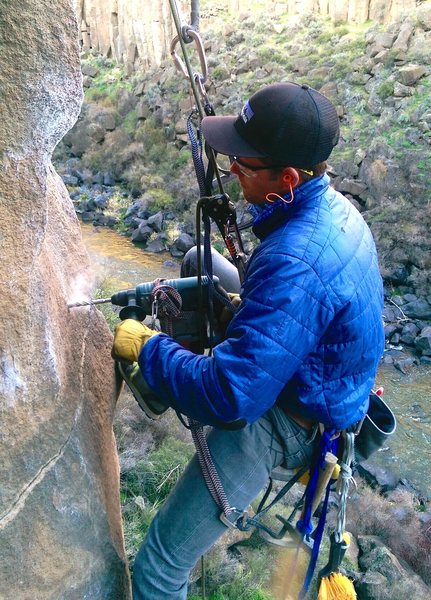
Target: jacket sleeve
(283,314)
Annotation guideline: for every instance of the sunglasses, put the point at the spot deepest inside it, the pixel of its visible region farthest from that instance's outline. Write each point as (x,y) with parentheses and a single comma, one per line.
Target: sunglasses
(248,170)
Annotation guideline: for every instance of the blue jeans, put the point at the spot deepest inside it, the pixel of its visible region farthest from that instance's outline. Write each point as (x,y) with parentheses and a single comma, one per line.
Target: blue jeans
(188,524)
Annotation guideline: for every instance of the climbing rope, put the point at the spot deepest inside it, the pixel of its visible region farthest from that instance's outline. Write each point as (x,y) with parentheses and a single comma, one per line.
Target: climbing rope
(167,304)
(209,471)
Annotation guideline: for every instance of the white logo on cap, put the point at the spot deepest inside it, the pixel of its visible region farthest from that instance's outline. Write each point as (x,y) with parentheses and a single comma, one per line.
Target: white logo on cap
(247,112)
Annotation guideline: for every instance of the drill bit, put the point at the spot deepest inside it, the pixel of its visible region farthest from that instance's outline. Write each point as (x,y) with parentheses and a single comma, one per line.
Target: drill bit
(89,302)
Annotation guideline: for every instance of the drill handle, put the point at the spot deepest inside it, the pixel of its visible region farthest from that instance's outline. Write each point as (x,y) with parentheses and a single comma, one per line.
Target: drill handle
(132,310)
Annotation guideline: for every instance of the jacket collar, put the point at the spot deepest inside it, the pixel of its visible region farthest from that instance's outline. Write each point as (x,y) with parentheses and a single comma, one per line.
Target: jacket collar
(269,216)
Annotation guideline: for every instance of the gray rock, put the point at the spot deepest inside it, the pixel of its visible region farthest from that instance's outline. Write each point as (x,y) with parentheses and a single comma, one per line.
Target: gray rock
(143,110)
(170,264)
(409,333)
(301,65)
(106,120)
(401,90)
(78,174)
(70,180)
(404,36)
(351,186)
(108,179)
(375,557)
(418,309)
(126,101)
(375,104)
(96,132)
(89,70)
(404,364)
(330,90)
(391,313)
(319,72)
(98,178)
(377,477)
(398,275)
(395,339)
(390,330)
(139,89)
(410,74)
(384,40)
(78,139)
(87,81)
(156,221)
(424,16)
(423,341)
(142,234)
(175,251)
(372,585)
(133,209)
(101,201)
(184,242)
(156,246)
(88,216)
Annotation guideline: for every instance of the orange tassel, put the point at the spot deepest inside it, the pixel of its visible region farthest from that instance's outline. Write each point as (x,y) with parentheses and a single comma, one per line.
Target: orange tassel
(336,587)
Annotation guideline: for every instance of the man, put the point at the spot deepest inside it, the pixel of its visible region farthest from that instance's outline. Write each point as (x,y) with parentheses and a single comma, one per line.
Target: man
(303,346)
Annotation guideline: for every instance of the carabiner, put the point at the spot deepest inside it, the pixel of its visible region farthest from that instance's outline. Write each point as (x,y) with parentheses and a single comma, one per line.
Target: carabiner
(179,63)
(200,83)
(154,312)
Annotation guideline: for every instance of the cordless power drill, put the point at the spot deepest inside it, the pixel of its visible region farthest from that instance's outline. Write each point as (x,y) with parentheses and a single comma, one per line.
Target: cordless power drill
(182,307)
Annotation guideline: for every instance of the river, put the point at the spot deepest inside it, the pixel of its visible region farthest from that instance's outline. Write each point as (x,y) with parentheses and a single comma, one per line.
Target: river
(122,264)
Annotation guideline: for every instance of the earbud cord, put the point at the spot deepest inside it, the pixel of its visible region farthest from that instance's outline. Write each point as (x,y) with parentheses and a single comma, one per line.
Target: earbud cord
(273,196)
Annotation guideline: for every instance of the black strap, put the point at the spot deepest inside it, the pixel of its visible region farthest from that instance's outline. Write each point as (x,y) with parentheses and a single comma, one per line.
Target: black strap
(245,523)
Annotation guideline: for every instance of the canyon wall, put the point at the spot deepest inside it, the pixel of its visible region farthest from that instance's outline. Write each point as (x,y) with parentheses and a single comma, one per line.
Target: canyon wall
(139,32)
(60,520)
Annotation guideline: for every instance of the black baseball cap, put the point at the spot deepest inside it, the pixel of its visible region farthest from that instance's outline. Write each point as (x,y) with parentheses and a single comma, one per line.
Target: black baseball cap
(287,123)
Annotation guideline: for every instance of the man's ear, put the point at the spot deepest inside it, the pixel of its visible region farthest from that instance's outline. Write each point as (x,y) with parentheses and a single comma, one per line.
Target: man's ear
(290,177)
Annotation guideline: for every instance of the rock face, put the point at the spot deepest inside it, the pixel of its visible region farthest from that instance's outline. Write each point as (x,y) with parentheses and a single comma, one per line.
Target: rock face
(60,521)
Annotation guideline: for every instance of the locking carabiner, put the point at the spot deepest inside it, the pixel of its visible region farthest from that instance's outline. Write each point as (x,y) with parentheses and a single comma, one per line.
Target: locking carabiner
(179,63)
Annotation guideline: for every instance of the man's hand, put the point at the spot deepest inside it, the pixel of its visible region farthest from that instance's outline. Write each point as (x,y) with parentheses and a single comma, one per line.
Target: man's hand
(226,314)
(129,337)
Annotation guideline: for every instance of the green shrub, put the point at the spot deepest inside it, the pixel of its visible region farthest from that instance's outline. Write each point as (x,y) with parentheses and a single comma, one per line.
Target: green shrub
(220,73)
(129,122)
(105,290)
(155,476)
(136,523)
(160,199)
(385,89)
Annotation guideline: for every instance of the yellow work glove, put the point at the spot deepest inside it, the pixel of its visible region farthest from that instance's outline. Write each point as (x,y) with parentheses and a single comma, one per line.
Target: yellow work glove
(129,337)
(226,314)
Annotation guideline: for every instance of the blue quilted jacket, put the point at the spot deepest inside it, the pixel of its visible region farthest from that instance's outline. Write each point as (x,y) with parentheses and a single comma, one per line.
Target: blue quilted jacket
(308,333)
